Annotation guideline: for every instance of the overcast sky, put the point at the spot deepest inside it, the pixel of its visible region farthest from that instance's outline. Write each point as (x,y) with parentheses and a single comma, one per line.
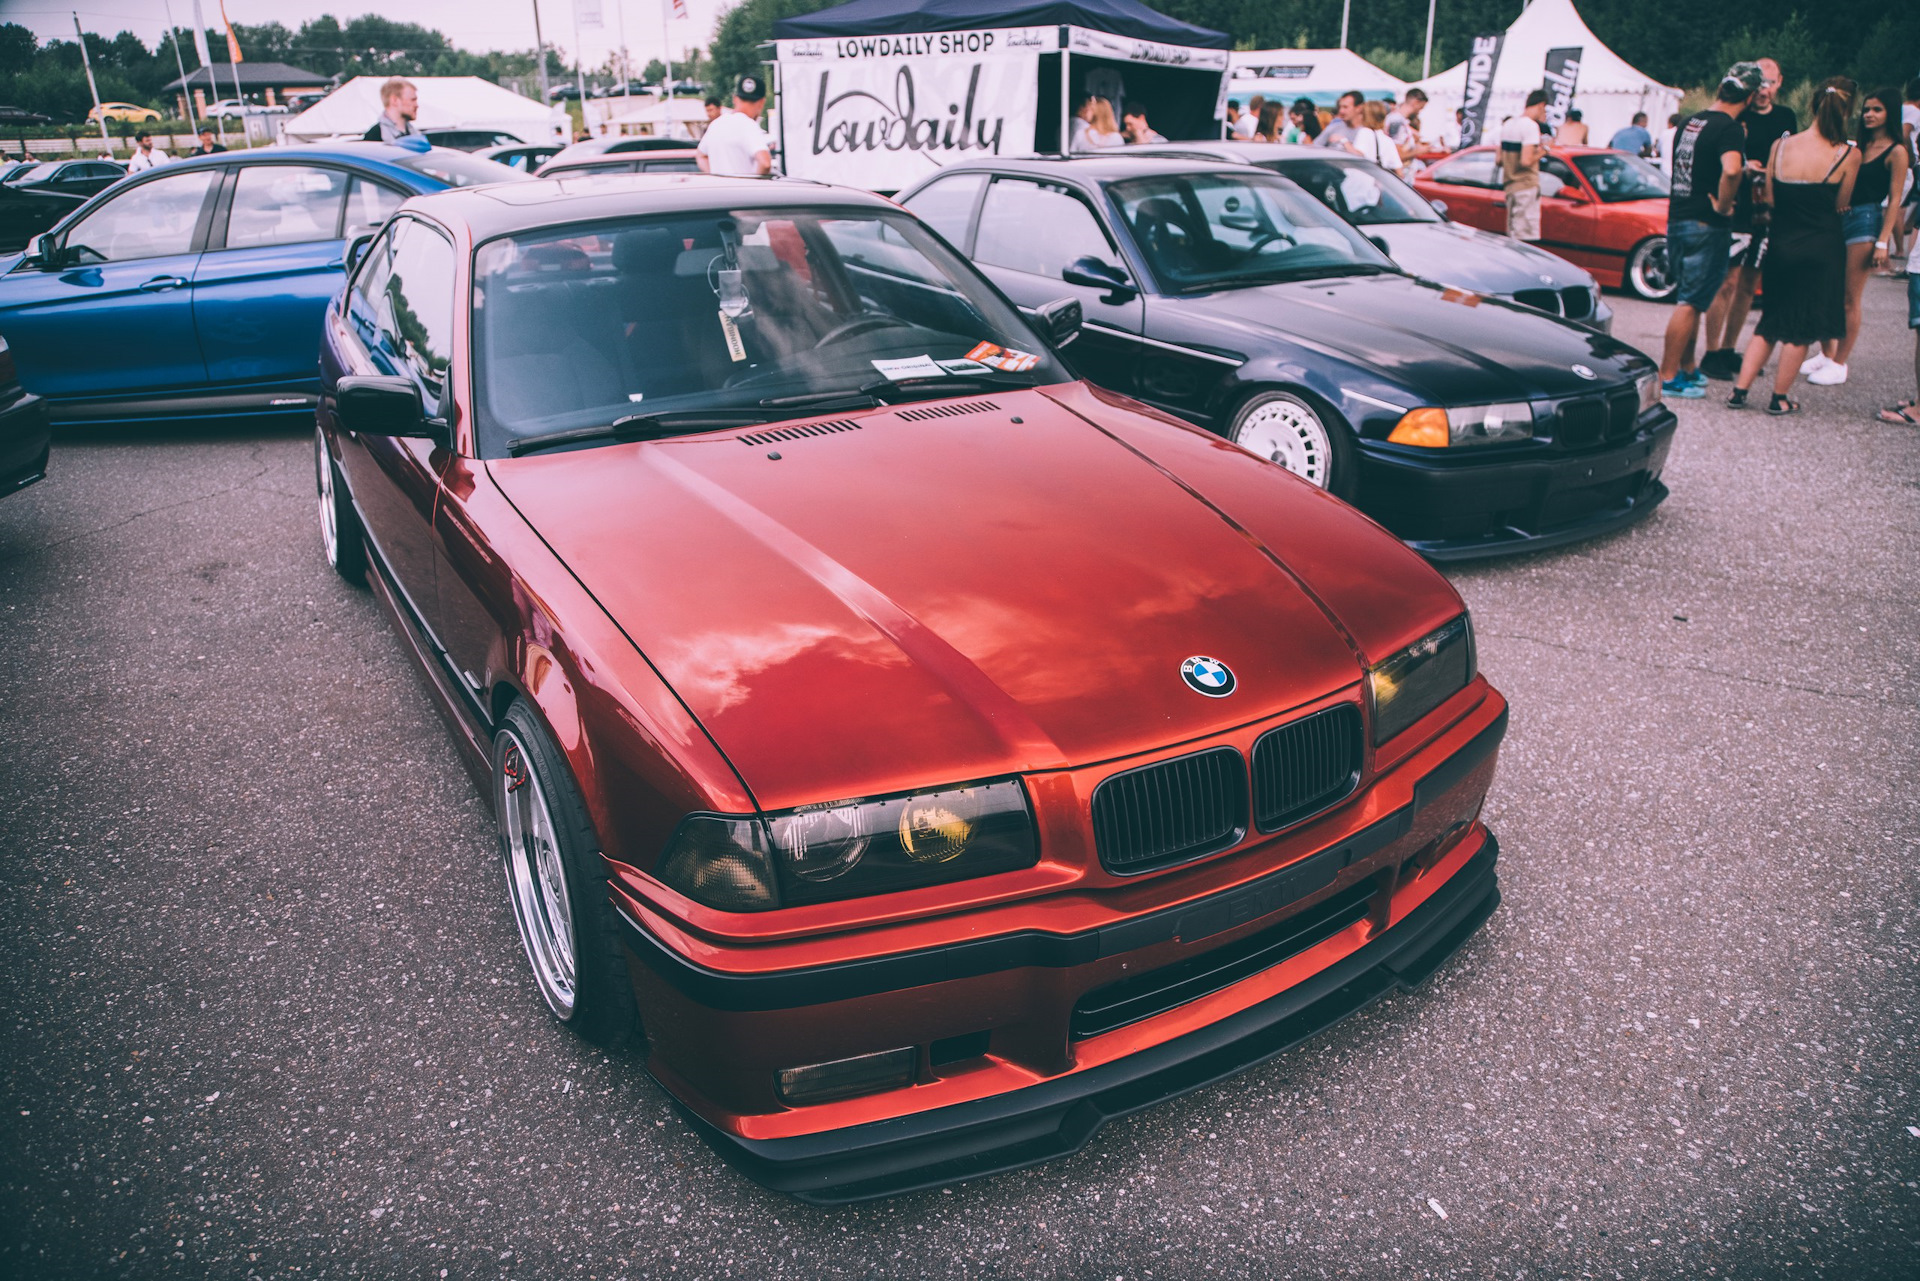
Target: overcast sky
(475,25)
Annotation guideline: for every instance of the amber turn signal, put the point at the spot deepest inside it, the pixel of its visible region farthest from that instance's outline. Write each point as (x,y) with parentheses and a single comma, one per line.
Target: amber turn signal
(1425,427)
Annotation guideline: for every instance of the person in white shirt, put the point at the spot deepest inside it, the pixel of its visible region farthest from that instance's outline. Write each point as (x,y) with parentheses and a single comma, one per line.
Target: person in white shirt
(1520,150)
(145,155)
(735,145)
(1249,119)
(1370,139)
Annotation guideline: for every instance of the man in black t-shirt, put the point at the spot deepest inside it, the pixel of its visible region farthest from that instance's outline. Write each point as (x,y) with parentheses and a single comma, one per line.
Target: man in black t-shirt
(1765,122)
(1709,154)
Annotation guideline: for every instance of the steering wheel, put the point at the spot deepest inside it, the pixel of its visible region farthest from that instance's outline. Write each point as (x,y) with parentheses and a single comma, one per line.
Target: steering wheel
(1266,238)
(859,325)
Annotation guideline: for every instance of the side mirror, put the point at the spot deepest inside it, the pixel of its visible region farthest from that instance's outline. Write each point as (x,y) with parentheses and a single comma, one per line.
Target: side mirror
(1379,242)
(358,250)
(1097,273)
(384,405)
(1061,320)
(42,251)
(1439,207)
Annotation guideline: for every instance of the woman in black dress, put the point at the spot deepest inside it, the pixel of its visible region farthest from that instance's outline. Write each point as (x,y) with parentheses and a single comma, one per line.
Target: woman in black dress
(1809,181)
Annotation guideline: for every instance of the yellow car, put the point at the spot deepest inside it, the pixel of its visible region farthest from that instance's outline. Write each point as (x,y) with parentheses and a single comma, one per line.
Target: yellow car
(122,111)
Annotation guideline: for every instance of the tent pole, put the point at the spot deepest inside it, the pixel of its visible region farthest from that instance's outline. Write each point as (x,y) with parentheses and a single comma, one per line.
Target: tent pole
(1426,62)
(1066,95)
(1346,12)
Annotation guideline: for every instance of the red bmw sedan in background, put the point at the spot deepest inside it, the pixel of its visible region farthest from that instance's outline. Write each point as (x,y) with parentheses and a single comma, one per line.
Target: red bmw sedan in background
(930,756)
(1602,210)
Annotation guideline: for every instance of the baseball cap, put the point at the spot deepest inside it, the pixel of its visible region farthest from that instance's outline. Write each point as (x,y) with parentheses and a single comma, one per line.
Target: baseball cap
(752,90)
(1745,74)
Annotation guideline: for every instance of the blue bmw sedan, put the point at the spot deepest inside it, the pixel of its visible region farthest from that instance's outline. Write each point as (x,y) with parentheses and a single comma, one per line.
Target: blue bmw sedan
(198,288)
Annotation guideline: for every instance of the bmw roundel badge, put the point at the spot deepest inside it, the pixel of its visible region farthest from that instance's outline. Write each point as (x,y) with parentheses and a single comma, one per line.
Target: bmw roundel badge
(1584,372)
(1207,676)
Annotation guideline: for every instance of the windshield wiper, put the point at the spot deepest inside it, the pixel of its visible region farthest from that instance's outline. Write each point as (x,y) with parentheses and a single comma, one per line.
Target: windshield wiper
(638,427)
(889,390)
(821,399)
(1282,275)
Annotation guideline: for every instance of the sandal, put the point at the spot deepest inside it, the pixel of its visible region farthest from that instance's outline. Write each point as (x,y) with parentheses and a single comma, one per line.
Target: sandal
(1900,415)
(1780,406)
(1739,399)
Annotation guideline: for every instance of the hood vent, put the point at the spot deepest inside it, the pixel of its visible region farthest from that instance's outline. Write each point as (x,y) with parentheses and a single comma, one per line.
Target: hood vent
(944,411)
(780,434)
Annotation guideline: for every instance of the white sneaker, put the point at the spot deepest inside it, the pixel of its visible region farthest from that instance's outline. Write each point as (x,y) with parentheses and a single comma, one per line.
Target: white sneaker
(1814,364)
(1830,374)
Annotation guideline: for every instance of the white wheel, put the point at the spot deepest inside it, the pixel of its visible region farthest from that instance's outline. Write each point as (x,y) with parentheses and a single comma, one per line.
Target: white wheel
(1286,430)
(1648,272)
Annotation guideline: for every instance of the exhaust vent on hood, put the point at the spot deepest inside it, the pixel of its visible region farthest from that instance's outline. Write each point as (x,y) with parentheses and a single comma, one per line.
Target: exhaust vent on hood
(779,434)
(945,411)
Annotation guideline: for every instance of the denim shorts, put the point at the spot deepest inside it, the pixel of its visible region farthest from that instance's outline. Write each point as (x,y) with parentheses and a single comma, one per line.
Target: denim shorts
(1860,225)
(1697,257)
(1913,300)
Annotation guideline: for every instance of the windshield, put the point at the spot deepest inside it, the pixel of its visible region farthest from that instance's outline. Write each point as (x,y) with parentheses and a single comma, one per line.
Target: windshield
(455,168)
(1620,175)
(1221,230)
(1362,193)
(732,316)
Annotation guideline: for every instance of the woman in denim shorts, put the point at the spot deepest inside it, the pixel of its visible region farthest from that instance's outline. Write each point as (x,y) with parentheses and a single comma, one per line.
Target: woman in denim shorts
(1868,224)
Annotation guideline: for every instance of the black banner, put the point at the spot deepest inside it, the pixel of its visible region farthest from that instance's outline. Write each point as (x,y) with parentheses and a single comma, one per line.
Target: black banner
(1482,62)
(1563,72)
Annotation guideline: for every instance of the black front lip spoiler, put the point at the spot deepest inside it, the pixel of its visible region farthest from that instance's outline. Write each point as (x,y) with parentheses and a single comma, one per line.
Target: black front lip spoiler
(1040,1122)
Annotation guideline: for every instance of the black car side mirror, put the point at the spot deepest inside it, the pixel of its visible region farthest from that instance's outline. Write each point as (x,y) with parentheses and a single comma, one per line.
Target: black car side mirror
(1061,320)
(357,249)
(1439,207)
(384,405)
(1097,273)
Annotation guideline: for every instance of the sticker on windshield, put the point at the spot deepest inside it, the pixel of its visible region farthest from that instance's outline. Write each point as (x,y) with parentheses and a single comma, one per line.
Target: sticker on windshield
(911,367)
(962,366)
(1005,359)
(735,348)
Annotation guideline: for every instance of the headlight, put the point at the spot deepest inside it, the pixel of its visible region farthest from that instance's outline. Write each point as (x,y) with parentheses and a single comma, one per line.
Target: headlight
(746,863)
(1469,425)
(1419,678)
(1648,385)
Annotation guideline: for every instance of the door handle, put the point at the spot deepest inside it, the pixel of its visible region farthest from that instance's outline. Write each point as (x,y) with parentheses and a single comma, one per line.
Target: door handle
(164,282)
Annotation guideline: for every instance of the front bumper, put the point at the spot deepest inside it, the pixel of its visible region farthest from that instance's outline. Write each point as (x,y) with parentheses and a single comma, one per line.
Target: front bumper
(26,439)
(1454,505)
(1279,967)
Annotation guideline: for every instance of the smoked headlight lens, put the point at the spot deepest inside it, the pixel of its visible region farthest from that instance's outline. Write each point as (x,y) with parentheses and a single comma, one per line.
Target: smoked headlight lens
(1490,424)
(852,848)
(1420,678)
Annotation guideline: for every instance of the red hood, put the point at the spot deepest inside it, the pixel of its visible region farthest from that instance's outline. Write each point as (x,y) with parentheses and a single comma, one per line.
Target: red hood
(928,601)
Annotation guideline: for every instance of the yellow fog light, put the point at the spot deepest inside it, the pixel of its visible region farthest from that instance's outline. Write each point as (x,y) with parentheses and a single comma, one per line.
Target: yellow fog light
(1424,427)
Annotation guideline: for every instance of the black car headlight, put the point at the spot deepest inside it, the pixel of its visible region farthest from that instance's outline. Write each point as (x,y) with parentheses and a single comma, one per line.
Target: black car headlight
(850,849)
(1648,385)
(1420,677)
(1433,428)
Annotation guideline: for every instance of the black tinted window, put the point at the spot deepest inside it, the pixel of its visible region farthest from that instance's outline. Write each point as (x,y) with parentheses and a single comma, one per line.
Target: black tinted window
(1037,228)
(947,205)
(401,305)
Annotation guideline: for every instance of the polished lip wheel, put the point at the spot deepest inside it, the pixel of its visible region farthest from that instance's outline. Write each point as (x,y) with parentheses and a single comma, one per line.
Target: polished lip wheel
(1651,276)
(329,526)
(536,878)
(1287,432)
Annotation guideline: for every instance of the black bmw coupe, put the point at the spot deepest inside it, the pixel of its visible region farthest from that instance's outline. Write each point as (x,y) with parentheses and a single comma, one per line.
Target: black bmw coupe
(1227,295)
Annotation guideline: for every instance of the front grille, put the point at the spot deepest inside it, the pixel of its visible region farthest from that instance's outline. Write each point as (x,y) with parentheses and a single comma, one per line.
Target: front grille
(1623,413)
(1156,991)
(1581,423)
(1547,300)
(1300,769)
(1167,813)
(1576,303)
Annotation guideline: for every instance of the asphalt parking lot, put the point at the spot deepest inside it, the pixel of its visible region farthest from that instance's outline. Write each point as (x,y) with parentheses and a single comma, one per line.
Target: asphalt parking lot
(265,1011)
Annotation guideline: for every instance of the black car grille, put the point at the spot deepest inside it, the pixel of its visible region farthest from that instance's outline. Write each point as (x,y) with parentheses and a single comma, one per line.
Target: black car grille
(1589,420)
(1176,810)
(1300,769)
(1156,991)
(1547,300)
(1576,303)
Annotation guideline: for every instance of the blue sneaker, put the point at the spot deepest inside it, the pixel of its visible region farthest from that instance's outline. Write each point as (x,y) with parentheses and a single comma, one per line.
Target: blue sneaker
(1680,387)
(1694,376)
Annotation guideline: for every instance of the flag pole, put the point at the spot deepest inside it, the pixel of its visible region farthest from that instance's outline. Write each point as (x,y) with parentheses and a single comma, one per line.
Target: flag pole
(1426,63)
(186,90)
(88,64)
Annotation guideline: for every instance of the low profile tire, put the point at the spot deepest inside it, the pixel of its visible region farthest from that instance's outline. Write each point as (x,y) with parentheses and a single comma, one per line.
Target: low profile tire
(339,529)
(1285,429)
(1648,273)
(557,884)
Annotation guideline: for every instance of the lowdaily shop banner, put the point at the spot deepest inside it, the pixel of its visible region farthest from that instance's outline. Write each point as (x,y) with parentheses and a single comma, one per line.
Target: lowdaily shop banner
(882,112)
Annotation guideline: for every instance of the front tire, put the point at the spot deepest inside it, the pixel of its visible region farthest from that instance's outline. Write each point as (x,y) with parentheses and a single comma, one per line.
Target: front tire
(340,533)
(1286,429)
(557,884)
(1648,273)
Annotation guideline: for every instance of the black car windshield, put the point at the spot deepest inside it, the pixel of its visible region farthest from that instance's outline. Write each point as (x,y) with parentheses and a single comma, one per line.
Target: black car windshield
(650,326)
(1621,175)
(1362,193)
(1222,230)
(455,168)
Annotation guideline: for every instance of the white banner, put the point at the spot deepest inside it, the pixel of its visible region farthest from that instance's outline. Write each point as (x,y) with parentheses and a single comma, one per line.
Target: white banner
(1102,44)
(882,112)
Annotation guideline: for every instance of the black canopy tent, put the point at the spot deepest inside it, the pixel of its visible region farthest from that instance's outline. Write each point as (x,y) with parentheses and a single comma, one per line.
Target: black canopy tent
(956,60)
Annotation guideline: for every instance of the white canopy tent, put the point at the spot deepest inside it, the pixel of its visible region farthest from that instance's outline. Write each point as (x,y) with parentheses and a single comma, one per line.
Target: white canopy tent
(672,118)
(446,102)
(1607,94)
(1320,74)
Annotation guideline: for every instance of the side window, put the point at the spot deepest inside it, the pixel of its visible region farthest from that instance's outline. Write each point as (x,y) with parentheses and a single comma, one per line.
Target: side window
(947,205)
(1554,175)
(152,220)
(416,308)
(285,205)
(1038,229)
(1476,170)
(369,205)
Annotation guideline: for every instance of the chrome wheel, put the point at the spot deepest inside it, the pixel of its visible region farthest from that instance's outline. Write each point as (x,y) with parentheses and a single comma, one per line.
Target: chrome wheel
(1648,272)
(329,522)
(1285,429)
(536,876)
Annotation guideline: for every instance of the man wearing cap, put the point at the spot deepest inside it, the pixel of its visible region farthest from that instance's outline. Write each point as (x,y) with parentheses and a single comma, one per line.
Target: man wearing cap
(1709,156)
(735,145)
(1765,122)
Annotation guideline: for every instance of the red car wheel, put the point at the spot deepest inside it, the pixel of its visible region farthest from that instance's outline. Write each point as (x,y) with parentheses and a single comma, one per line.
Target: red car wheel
(1647,273)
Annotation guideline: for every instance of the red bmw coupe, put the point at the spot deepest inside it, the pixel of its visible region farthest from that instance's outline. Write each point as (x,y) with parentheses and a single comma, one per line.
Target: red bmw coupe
(930,756)
(1599,209)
